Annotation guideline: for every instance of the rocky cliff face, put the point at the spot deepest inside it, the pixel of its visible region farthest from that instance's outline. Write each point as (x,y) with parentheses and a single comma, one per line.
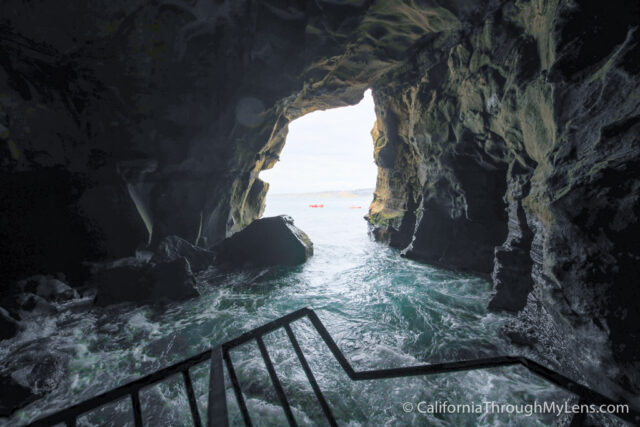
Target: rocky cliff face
(507,140)
(512,152)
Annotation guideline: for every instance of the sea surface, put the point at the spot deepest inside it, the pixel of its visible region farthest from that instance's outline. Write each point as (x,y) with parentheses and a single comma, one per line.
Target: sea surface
(382,310)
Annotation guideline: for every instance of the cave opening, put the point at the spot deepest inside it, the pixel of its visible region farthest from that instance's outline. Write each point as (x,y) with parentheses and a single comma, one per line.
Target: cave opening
(326,173)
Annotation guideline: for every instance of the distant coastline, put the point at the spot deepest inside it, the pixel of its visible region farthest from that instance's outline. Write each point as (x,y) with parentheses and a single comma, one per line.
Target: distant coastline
(339,194)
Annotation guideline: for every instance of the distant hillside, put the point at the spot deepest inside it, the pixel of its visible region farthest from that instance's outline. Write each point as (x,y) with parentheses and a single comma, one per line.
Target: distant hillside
(344,194)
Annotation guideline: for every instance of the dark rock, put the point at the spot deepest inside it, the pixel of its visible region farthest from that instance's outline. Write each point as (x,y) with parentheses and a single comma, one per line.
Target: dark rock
(144,282)
(13,396)
(19,304)
(462,219)
(48,288)
(171,280)
(521,338)
(11,303)
(529,174)
(118,282)
(266,242)
(510,284)
(9,327)
(35,304)
(174,247)
(512,271)
(36,295)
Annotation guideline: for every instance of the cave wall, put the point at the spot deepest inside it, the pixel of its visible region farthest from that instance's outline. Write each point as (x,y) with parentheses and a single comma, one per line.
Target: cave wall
(506,141)
(511,151)
(162,113)
(123,122)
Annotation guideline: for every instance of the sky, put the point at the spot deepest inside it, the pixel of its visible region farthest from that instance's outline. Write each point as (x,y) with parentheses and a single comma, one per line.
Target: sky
(327,151)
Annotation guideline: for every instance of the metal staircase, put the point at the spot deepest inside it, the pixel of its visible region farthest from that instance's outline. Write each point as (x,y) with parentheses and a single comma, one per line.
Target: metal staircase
(217,405)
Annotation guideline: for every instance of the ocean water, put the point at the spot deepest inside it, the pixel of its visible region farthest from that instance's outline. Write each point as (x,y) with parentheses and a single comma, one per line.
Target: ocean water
(383,311)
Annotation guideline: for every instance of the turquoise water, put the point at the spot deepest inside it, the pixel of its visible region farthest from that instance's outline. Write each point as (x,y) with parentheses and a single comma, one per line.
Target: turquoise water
(382,310)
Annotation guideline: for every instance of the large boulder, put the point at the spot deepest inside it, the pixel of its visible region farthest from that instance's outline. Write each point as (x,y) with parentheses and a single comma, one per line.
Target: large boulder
(174,247)
(139,281)
(9,327)
(266,242)
(119,281)
(171,280)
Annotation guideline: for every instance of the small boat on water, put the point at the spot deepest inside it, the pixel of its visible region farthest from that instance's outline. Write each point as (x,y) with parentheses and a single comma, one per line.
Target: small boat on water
(316,206)
(355,207)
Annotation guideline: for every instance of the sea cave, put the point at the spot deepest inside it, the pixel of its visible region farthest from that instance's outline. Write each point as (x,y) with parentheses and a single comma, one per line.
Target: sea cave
(471,251)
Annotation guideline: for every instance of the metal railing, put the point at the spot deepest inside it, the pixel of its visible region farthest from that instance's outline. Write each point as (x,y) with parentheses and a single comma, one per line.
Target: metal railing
(217,405)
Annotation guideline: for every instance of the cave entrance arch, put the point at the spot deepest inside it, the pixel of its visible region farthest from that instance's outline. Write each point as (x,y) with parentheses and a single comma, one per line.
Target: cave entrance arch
(327,161)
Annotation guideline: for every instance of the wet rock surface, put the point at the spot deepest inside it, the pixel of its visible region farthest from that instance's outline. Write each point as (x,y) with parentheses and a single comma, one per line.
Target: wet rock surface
(504,150)
(20,305)
(173,247)
(48,289)
(139,281)
(37,295)
(266,242)
(507,142)
(511,275)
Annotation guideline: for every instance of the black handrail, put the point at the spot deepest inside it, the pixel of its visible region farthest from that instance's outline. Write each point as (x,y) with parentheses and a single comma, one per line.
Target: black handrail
(217,410)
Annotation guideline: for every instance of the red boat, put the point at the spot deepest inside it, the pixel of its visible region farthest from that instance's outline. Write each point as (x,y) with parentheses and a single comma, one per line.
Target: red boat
(316,206)
(355,207)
